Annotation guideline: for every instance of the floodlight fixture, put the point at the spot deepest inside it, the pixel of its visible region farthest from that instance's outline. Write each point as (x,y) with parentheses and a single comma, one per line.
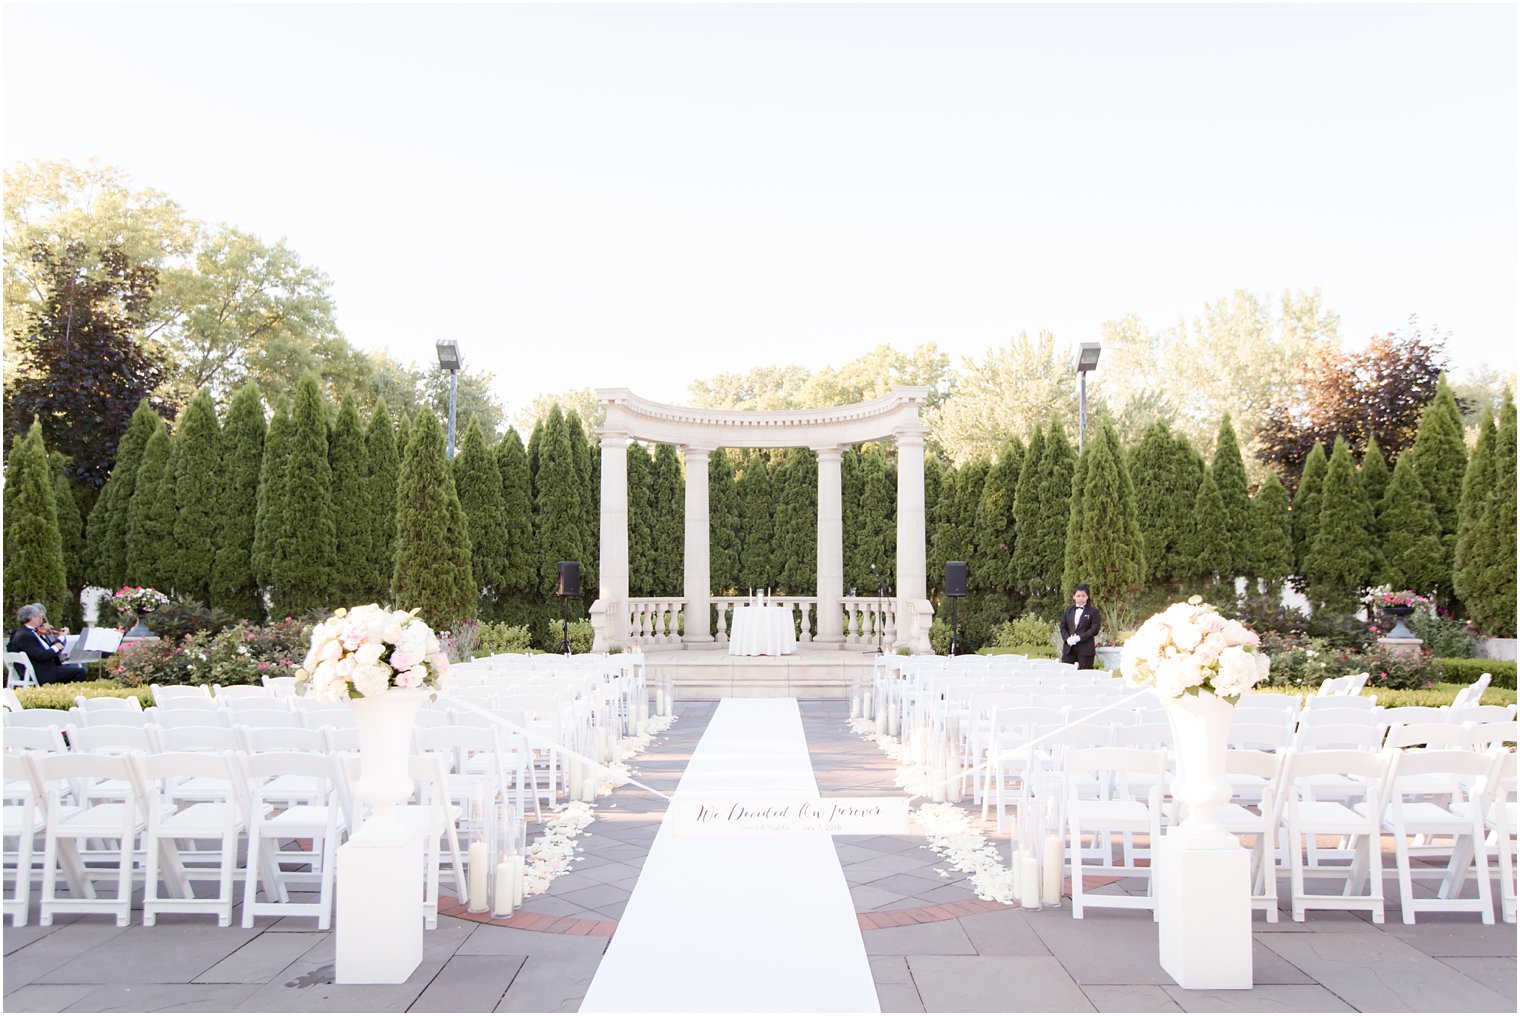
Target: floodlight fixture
(1087,356)
(448,355)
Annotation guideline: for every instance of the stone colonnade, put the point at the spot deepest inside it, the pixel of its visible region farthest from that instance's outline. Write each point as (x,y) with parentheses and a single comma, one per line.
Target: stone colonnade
(698,432)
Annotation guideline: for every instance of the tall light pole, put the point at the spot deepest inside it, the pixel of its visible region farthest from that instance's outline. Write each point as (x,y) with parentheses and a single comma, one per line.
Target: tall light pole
(1087,359)
(450,360)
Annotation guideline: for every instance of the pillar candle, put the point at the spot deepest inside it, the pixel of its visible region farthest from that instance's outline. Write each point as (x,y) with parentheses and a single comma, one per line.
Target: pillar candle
(1013,877)
(1054,860)
(575,778)
(503,902)
(865,706)
(588,783)
(519,863)
(477,882)
(1029,882)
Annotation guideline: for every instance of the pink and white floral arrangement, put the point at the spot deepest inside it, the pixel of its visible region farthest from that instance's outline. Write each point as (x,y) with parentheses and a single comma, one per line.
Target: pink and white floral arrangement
(1188,648)
(362,652)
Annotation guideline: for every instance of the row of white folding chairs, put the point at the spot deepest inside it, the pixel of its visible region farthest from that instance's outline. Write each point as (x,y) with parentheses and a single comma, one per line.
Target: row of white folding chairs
(1298,796)
(151,804)
(180,715)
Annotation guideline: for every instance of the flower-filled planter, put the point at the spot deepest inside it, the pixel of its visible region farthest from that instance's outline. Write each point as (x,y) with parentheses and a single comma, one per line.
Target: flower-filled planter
(141,601)
(1198,663)
(384,663)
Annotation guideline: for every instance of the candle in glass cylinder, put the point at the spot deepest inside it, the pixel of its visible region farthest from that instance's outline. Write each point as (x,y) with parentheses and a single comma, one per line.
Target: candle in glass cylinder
(503,902)
(1029,882)
(589,782)
(574,768)
(477,881)
(519,864)
(1054,860)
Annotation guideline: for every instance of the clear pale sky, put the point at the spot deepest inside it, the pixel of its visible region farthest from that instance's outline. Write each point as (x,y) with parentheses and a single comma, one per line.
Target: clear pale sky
(599,196)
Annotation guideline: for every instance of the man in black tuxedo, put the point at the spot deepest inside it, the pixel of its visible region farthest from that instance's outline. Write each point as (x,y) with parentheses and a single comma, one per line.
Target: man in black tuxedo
(1079,628)
(46,656)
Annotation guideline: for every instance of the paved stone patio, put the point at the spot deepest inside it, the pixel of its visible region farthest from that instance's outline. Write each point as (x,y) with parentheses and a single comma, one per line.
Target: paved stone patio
(933,946)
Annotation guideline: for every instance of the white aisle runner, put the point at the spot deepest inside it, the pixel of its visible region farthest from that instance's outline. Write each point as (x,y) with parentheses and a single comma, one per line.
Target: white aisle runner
(739,923)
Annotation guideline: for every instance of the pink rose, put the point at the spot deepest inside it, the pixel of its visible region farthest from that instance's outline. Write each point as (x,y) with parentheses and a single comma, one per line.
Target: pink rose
(403,660)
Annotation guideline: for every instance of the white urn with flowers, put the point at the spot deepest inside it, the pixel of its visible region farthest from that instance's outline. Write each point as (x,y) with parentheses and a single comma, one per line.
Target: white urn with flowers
(1198,663)
(384,664)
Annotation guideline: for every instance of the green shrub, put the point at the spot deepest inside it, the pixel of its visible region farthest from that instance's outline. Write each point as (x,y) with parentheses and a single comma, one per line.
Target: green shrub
(1040,652)
(179,618)
(1466,671)
(499,637)
(1029,630)
(460,641)
(152,661)
(904,650)
(1299,662)
(61,696)
(1440,695)
(1444,635)
(581,637)
(939,637)
(240,654)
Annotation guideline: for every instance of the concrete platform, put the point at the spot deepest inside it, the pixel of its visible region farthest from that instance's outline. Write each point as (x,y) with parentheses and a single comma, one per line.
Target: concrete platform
(812,672)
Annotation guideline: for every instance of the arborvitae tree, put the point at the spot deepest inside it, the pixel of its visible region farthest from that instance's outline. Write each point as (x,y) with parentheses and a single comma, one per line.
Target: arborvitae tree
(197,482)
(1412,557)
(520,575)
(106,535)
(723,518)
(585,460)
(1150,466)
(1440,458)
(934,481)
(233,587)
(306,554)
(757,523)
(1212,522)
(992,568)
(1306,505)
(432,539)
(270,518)
(535,442)
(669,522)
(557,506)
(165,504)
(1477,487)
(943,539)
(1023,511)
(1272,534)
(1043,558)
(1103,539)
(1071,558)
(71,537)
(1342,559)
(478,484)
(852,492)
(382,472)
(1374,472)
(797,524)
(348,458)
(876,541)
(403,439)
(641,549)
(1229,472)
(144,541)
(35,571)
(1488,578)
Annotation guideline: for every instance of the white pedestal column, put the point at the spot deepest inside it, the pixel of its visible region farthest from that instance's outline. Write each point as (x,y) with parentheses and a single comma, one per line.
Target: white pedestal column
(379,906)
(1203,902)
(912,576)
(698,584)
(830,548)
(612,568)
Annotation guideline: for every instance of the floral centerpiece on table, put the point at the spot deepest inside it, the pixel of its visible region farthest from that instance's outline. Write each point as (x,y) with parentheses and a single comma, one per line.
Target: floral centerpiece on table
(138,599)
(1189,648)
(362,652)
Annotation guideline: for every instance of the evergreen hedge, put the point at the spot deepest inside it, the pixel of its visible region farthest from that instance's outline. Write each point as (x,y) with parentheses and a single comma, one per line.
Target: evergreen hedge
(305,552)
(197,482)
(34,564)
(233,586)
(1229,475)
(432,574)
(1342,559)
(353,511)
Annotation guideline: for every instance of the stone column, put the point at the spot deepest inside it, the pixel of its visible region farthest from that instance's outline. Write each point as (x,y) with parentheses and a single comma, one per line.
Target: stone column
(612,568)
(698,583)
(830,548)
(912,576)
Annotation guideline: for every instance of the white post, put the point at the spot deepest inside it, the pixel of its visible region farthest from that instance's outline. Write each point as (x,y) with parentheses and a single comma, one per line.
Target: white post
(698,586)
(912,576)
(612,568)
(830,547)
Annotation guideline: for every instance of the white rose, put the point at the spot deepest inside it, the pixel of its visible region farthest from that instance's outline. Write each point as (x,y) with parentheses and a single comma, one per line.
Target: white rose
(1237,672)
(1238,634)
(1186,635)
(369,654)
(372,680)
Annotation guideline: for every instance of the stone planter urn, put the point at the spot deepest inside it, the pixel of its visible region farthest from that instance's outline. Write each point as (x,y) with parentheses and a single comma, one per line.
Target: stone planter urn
(1398,614)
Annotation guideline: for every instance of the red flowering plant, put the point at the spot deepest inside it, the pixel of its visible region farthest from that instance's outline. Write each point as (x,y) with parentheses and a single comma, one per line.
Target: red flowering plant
(1402,598)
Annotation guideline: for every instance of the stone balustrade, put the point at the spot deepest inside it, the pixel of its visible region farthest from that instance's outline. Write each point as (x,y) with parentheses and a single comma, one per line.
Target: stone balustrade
(658,620)
(867,616)
(655,621)
(803,608)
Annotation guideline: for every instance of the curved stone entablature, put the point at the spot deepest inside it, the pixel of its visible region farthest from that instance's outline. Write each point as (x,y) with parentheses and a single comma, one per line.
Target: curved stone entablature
(632,416)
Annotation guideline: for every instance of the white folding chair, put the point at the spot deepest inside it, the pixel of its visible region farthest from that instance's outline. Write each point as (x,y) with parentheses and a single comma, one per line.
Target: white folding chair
(262,693)
(1411,714)
(1253,777)
(283,686)
(1501,824)
(1113,810)
(475,754)
(1455,814)
(1307,817)
(169,717)
(192,738)
(59,718)
(275,839)
(1481,714)
(1480,736)
(250,717)
(1472,695)
(1258,736)
(190,696)
(45,739)
(216,812)
(108,709)
(68,824)
(284,739)
(1430,735)
(23,821)
(19,672)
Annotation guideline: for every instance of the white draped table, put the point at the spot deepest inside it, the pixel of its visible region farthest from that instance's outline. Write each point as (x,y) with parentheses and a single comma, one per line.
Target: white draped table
(762,631)
(743,922)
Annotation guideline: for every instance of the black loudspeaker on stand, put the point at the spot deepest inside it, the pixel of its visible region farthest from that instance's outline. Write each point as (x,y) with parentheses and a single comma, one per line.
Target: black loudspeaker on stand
(569,585)
(955,588)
